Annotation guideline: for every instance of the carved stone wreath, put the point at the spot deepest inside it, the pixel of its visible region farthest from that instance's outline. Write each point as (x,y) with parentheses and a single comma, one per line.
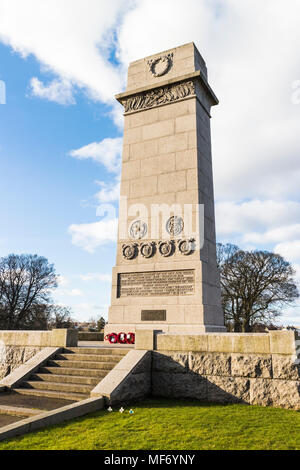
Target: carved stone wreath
(138,229)
(174,226)
(186,247)
(161,66)
(159,96)
(147,249)
(166,248)
(129,251)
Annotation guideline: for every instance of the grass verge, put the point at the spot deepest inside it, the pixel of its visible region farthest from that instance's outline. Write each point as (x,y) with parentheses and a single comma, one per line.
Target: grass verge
(161,424)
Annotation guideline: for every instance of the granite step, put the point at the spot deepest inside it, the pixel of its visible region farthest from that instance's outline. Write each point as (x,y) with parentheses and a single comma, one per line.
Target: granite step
(55,386)
(52,394)
(95,373)
(72,374)
(19,411)
(71,379)
(82,364)
(101,351)
(89,357)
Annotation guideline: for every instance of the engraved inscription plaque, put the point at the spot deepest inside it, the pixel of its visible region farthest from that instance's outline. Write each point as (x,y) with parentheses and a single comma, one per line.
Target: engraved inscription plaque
(154,315)
(156,283)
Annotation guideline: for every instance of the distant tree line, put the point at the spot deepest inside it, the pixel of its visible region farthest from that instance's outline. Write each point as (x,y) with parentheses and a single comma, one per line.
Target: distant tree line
(26,283)
(255,287)
(96,324)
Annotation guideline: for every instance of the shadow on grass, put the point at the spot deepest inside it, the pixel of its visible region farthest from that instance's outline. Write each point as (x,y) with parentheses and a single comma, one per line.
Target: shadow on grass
(162,402)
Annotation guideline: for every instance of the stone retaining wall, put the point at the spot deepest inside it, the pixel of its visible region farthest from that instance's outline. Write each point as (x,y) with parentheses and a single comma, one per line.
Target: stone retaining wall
(257,379)
(53,338)
(17,347)
(258,369)
(11,357)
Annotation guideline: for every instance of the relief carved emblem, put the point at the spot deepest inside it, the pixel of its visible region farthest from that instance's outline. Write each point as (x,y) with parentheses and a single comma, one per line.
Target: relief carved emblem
(129,251)
(148,249)
(159,96)
(166,248)
(161,66)
(186,247)
(174,226)
(138,229)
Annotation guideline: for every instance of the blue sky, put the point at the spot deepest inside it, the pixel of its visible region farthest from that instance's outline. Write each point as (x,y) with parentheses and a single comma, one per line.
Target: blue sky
(43,189)
(60,129)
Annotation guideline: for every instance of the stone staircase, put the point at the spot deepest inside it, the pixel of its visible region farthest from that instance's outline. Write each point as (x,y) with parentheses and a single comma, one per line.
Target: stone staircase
(72,374)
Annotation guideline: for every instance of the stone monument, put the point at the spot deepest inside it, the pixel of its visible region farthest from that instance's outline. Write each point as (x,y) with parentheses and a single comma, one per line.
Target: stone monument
(166,275)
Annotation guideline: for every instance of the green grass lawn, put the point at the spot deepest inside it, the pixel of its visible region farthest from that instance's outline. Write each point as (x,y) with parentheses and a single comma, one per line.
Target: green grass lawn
(171,425)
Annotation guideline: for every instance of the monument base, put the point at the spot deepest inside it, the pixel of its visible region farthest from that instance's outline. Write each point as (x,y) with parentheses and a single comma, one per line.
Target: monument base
(171,328)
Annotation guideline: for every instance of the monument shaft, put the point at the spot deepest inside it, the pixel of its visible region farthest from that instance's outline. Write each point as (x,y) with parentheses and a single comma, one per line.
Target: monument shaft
(166,276)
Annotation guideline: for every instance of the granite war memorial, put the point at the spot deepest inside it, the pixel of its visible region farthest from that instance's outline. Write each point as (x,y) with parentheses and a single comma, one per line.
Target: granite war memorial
(166,275)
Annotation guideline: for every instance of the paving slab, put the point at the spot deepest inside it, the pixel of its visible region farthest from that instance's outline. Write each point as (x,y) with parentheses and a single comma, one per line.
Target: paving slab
(5,420)
(26,401)
(49,418)
(103,344)
(19,411)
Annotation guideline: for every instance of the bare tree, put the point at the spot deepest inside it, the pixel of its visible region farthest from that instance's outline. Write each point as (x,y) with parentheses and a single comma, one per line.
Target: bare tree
(255,286)
(39,318)
(61,317)
(26,282)
(225,252)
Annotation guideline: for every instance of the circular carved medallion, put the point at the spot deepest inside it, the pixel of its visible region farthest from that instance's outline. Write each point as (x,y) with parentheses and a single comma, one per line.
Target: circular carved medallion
(138,229)
(129,251)
(161,65)
(166,248)
(147,250)
(186,247)
(175,226)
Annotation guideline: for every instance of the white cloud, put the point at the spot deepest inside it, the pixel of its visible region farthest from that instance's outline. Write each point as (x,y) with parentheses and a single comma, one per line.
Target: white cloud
(109,192)
(256,215)
(257,224)
(62,281)
(91,236)
(85,307)
(107,152)
(96,277)
(287,233)
(69,292)
(297,269)
(75,293)
(71,39)
(59,91)
(289,250)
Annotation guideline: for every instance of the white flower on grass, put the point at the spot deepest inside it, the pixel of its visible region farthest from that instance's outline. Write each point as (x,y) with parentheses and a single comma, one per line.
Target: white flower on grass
(109,409)
(121,409)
